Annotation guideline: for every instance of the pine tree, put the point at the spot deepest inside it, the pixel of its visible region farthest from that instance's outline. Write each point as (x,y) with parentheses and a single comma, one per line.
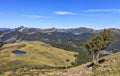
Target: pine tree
(99,42)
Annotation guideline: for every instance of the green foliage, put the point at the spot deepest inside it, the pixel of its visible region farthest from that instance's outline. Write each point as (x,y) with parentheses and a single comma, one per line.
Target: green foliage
(99,42)
(66,46)
(81,58)
(82,55)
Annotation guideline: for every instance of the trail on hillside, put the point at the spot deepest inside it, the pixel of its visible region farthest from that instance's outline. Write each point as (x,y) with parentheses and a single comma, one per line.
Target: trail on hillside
(81,70)
(108,66)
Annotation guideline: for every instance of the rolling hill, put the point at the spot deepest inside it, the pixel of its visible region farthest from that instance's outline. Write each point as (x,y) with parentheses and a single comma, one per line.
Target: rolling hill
(38,56)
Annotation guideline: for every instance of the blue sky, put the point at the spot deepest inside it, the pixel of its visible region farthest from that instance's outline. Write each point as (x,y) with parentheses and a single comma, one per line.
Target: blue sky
(96,14)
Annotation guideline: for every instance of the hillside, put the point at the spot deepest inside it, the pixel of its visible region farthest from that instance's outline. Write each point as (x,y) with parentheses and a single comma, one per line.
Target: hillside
(38,56)
(109,66)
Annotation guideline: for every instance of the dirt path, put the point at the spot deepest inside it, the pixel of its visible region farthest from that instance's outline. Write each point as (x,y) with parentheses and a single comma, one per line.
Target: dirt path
(81,70)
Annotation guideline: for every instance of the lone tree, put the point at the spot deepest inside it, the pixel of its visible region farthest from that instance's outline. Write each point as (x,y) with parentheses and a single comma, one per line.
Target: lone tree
(99,42)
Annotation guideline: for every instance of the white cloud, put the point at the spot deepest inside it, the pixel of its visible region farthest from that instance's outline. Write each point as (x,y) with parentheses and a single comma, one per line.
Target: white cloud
(34,16)
(102,10)
(64,13)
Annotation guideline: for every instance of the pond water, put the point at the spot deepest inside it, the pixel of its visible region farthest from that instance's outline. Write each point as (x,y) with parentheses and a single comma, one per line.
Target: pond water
(18,52)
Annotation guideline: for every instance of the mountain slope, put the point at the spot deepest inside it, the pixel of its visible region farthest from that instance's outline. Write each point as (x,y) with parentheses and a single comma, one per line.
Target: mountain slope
(109,66)
(39,55)
(54,35)
(48,35)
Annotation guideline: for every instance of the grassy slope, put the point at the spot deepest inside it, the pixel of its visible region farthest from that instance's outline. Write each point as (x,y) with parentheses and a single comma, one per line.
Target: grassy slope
(111,67)
(38,54)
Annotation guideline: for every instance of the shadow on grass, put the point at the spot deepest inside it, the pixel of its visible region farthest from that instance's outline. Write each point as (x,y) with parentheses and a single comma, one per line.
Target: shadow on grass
(92,64)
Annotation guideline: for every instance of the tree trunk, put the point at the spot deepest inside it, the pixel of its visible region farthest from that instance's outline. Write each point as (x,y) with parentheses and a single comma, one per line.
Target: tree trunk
(96,57)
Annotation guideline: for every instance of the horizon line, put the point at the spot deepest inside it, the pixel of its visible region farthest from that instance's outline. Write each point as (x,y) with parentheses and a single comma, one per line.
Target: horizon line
(60,28)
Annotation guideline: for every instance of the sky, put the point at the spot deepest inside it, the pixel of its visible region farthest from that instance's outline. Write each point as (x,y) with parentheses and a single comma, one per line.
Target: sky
(96,14)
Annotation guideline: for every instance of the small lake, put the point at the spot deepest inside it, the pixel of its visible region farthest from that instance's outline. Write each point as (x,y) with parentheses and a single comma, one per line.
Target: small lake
(19,52)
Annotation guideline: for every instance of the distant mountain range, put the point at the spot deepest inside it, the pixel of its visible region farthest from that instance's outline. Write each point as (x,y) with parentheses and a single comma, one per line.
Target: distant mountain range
(53,35)
(5,30)
(50,35)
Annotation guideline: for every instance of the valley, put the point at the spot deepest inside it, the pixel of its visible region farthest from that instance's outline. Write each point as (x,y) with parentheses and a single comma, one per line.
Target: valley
(51,52)
(59,37)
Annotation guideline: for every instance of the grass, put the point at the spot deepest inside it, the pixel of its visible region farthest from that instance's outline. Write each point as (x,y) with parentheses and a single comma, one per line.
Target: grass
(111,66)
(39,55)
(108,66)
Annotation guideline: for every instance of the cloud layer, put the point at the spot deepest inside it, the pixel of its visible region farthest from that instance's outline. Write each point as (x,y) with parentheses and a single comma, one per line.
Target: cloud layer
(102,10)
(87,12)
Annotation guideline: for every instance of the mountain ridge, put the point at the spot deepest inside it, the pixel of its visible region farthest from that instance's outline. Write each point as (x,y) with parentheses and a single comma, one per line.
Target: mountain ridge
(47,30)
(53,35)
